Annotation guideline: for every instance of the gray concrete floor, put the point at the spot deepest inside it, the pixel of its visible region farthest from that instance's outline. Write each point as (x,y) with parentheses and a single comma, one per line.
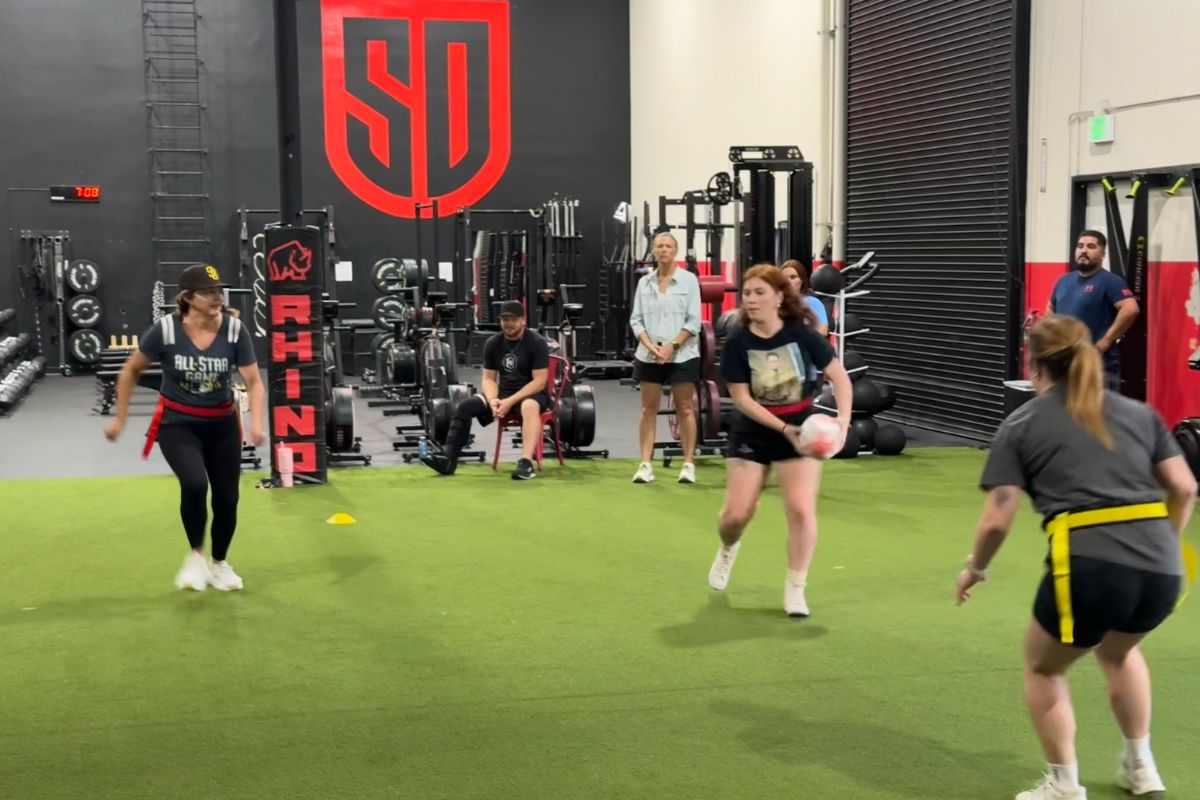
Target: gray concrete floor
(55,432)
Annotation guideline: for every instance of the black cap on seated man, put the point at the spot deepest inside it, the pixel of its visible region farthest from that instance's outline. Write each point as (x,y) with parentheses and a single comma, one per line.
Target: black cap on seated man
(516,363)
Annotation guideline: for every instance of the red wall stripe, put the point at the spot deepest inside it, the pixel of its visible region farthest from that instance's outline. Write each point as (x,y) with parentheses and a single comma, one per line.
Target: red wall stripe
(456,78)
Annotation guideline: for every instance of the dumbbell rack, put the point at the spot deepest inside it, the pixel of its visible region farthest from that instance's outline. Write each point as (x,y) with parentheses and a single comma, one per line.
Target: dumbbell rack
(840,335)
(839,327)
(17,371)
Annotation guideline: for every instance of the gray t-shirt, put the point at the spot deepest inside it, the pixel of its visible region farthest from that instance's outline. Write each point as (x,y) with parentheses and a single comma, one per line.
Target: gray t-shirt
(194,376)
(1064,468)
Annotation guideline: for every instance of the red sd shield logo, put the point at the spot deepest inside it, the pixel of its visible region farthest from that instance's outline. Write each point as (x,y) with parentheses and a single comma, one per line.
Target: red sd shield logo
(356,39)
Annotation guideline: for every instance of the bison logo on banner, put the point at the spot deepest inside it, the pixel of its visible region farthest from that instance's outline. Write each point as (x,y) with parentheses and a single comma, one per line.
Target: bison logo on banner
(289,262)
(424,78)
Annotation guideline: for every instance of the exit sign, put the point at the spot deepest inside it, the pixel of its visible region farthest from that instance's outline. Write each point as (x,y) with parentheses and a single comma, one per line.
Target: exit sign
(1100,128)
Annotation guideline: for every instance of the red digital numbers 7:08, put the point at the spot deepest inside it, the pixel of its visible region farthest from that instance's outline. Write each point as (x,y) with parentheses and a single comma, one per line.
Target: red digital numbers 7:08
(75,194)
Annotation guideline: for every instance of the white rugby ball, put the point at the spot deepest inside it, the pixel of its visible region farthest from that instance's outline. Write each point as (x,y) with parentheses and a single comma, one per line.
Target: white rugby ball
(820,436)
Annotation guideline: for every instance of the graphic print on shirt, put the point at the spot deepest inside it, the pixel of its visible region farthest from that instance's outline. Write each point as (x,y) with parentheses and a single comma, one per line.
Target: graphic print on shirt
(202,375)
(508,364)
(777,376)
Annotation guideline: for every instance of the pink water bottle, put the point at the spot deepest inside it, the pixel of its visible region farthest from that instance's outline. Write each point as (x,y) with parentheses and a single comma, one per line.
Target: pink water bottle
(283,462)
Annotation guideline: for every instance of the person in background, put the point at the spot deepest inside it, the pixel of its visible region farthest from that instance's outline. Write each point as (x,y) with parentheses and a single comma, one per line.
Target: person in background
(665,319)
(516,369)
(797,276)
(1098,298)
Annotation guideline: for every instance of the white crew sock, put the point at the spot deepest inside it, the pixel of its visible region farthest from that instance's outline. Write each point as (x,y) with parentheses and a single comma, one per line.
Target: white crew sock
(1064,776)
(1138,751)
(797,578)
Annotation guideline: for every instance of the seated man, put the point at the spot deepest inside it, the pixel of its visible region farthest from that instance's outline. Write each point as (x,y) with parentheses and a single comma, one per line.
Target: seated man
(516,363)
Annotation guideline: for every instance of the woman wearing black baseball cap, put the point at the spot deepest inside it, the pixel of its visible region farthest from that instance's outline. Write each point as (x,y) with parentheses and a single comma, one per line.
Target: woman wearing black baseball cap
(196,423)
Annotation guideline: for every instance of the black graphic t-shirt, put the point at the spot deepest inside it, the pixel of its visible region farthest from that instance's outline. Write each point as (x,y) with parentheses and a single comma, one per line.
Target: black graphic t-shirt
(781,371)
(515,361)
(193,376)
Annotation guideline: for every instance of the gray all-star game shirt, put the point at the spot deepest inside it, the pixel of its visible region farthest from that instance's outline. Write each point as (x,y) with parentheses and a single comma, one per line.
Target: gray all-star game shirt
(1064,468)
(193,376)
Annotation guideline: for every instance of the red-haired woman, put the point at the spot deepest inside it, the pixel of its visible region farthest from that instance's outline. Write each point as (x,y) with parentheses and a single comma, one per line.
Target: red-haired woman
(769,363)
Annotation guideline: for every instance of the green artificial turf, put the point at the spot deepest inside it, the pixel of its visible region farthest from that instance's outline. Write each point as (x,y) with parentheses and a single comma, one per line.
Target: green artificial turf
(476,637)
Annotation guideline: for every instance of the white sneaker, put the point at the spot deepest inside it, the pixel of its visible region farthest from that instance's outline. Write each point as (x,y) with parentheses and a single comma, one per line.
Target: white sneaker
(793,599)
(688,473)
(222,577)
(193,574)
(718,576)
(1048,791)
(644,474)
(1139,778)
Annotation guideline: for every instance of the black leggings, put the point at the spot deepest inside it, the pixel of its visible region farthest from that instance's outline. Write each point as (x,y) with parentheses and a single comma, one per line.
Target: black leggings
(200,453)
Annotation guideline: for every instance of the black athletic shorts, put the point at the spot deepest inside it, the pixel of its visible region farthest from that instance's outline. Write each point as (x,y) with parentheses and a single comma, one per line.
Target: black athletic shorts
(753,442)
(667,374)
(1108,597)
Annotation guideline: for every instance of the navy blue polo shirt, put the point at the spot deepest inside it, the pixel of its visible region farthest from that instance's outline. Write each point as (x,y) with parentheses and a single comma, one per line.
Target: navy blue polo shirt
(1093,301)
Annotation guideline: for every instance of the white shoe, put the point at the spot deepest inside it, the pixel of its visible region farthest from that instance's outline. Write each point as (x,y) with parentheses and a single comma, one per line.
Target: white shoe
(193,574)
(644,474)
(222,577)
(688,473)
(1139,778)
(1048,791)
(793,599)
(718,576)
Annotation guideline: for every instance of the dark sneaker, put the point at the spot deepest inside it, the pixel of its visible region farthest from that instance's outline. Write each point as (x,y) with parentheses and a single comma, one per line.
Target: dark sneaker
(524,470)
(440,463)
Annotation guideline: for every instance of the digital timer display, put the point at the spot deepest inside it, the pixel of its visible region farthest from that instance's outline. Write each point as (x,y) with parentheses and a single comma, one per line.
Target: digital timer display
(75,194)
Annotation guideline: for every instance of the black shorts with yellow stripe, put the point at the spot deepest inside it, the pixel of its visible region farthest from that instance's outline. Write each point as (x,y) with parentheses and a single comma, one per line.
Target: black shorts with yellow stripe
(1107,597)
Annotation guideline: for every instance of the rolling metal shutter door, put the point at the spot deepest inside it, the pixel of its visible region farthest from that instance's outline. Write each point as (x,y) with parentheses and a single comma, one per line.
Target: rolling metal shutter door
(935,151)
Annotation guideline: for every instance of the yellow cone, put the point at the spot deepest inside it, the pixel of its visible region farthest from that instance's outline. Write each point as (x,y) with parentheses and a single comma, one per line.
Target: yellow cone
(341,518)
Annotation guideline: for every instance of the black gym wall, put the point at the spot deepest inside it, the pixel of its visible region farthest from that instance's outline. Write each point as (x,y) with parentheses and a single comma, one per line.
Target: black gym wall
(73,112)
(935,183)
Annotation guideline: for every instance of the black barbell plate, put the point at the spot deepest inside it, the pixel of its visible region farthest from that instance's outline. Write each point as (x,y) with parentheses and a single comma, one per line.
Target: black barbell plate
(386,275)
(565,415)
(584,415)
(84,311)
(387,310)
(341,427)
(403,365)
(437,424)
(381,340)
(85,346)
(710,409)
(83,275)
(708,352)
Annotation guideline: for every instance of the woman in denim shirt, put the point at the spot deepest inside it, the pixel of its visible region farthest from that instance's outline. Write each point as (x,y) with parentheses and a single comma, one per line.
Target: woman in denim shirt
(666,321)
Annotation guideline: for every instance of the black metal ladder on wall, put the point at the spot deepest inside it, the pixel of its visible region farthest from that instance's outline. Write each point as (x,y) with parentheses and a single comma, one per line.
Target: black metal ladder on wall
(175,129)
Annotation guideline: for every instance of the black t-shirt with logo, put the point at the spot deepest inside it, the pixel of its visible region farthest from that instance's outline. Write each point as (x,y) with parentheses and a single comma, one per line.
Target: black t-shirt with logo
(781,371)
(193,376)
(515,361)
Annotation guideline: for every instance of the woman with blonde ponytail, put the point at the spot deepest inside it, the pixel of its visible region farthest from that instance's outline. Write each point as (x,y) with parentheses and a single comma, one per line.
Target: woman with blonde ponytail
(1115,493)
